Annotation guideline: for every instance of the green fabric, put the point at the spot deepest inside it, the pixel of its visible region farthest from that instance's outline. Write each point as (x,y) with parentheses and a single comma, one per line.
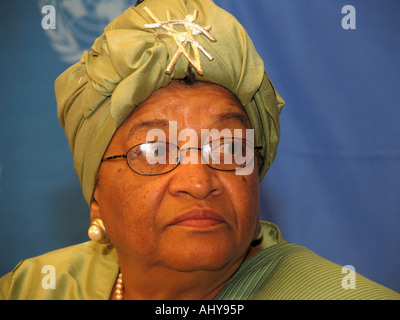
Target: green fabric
(83,272)
(291,272)
(279,271)
(127,64)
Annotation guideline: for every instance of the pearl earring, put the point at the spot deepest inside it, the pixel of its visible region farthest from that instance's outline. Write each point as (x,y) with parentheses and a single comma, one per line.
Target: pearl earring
(97,231)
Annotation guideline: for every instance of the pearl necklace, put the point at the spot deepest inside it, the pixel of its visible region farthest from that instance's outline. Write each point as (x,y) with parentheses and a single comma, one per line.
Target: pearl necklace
(119,292)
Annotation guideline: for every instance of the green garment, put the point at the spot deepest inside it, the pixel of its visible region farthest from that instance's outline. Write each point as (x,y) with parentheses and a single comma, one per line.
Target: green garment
(279,271)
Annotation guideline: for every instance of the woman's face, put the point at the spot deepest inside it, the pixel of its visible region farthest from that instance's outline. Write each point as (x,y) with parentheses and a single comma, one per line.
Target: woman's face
(194,217)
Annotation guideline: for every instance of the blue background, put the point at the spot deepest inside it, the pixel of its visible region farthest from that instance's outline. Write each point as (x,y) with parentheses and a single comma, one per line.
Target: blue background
(335,184)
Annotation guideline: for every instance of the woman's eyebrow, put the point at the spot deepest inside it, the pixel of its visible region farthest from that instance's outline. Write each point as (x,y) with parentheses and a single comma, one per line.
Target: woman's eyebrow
(149,124)
(216,119)
(228,116)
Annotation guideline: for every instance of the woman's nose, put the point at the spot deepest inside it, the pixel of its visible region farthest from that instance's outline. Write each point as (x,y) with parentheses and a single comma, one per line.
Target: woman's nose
(194,177)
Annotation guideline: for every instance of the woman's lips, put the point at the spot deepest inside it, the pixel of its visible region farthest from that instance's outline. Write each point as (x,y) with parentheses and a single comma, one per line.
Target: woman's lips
(198,219)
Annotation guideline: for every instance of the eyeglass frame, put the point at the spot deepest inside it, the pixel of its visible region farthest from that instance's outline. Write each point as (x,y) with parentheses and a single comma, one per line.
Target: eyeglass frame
(256,148)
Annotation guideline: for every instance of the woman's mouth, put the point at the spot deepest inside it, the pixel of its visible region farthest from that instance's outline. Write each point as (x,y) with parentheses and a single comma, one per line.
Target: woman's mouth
(198,218)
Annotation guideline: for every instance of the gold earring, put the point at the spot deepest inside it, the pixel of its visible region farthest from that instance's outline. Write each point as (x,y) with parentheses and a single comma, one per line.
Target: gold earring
(97,231)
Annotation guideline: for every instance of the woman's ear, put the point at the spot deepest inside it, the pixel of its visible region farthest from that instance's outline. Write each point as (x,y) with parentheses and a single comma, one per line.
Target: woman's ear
(94,205)
(97,231)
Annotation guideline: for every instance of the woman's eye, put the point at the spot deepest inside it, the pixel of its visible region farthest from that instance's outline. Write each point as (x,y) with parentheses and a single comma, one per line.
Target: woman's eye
(230,147)
(150,151)
(157,150)
(226,148)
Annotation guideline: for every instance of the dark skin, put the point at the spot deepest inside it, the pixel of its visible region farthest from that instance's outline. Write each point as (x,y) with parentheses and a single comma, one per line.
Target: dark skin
(161,257)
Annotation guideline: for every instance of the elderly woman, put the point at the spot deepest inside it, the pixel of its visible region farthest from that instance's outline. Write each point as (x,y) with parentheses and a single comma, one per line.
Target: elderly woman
(173,122)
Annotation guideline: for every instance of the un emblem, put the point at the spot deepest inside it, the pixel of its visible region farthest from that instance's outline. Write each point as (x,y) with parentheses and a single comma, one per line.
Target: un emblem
(78,23)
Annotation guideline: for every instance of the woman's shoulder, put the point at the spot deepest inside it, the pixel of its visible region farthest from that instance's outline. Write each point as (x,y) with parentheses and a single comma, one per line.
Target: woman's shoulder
(59,274)
(288,271)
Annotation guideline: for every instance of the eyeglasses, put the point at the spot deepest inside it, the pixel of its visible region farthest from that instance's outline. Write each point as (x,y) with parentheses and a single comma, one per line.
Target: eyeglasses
(159,157)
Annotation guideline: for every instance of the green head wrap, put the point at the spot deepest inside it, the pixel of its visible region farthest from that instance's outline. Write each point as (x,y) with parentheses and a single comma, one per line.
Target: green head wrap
(128,63)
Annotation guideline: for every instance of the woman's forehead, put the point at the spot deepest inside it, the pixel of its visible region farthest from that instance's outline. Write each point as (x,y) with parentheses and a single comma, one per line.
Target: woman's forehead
(178,90)
(199,103)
